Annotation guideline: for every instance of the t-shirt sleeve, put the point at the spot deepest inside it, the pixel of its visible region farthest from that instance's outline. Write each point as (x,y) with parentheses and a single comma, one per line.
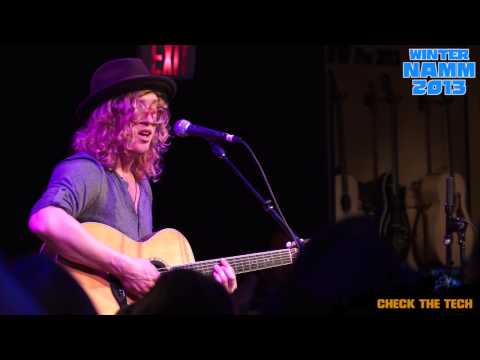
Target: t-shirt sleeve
(73,186)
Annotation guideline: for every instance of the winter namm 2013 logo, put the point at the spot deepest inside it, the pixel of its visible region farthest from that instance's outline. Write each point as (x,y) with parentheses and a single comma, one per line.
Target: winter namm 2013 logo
(436,71)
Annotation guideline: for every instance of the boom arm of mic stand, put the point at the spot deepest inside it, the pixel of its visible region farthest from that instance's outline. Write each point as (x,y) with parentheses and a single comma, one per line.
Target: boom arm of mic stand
(219,152)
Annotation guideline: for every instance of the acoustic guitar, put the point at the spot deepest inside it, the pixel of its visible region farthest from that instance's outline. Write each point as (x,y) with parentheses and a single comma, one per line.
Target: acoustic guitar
(168,249)
(347,197)
(434,197)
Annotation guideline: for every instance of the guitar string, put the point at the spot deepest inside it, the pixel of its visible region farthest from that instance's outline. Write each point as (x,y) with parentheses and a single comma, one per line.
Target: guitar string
(259,256)
(262,260)
(270,254)
(241,262)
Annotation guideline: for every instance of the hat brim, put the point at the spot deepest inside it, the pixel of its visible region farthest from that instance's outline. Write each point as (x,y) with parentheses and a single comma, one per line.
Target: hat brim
(156,83)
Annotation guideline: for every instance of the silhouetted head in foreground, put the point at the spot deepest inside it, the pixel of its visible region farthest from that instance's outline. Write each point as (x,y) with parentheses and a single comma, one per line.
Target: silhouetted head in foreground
(53,288)
(14,299)
(343,270)
(183,293)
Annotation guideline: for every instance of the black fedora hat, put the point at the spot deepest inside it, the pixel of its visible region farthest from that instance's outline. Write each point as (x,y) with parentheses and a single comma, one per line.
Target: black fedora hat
(120,76)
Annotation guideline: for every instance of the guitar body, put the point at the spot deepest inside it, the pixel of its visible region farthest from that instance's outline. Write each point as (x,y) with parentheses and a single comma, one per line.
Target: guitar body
(347,202)
(168,246)
(434,197)
(394,224)
(168,250)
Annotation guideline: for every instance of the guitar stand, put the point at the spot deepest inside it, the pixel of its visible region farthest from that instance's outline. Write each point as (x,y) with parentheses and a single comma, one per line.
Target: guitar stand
(458,225)
(450,277)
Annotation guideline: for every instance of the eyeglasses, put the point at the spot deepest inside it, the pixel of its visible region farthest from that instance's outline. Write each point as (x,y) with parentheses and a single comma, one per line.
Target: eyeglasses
(159,113)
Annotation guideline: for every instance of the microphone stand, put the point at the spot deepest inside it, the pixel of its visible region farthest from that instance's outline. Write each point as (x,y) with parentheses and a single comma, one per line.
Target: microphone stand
(454,224)
(450,228)
(220,153)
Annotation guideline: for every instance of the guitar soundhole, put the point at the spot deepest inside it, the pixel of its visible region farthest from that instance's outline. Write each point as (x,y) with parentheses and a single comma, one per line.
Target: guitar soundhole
(117,289)
(346,203)
(158,264)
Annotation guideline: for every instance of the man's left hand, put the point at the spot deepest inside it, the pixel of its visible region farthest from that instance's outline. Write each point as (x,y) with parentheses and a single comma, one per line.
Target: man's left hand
(225,275)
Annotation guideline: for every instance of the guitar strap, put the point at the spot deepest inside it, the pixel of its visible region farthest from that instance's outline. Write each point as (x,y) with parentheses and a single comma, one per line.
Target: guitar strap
(117,291)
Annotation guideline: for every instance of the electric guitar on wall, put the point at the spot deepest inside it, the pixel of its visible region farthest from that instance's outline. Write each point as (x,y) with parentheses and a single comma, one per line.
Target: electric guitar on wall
(168,249)
(394,225)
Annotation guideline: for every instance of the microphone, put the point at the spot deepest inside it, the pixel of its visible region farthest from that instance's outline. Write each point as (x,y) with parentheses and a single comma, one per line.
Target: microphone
(184,128)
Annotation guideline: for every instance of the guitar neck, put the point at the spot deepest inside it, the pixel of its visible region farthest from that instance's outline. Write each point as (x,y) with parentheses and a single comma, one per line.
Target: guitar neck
(375,144)
(395,160)
(428,141)
(448,120)
(370,101)
(341,142)
(393,100)
(246,263)
(337,112)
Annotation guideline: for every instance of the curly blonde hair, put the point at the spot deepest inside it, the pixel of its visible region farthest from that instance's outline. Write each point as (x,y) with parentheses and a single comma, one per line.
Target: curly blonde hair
(109,129)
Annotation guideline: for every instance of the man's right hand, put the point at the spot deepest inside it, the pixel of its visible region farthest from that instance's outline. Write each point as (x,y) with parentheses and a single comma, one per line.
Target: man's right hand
(137,276)
(66,237)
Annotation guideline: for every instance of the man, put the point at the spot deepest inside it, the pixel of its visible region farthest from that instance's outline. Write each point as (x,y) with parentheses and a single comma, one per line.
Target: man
(107,179)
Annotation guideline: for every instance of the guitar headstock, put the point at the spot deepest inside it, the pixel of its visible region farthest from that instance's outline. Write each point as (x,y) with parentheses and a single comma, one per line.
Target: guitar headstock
(424,103)
(445,100)
(293,247)
(336,94)
(387,88)
(370,99)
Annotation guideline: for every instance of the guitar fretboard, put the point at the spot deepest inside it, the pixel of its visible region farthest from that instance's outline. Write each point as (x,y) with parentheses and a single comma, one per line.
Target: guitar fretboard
(245,263)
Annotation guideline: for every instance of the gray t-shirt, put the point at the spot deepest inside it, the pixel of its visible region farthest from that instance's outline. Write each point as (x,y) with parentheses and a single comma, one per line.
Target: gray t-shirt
(90,193)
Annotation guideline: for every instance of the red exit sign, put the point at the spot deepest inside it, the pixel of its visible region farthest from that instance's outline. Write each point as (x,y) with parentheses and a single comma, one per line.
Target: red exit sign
(175,61)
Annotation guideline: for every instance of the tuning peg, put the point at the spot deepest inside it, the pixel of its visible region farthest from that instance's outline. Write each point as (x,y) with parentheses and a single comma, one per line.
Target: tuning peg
(292,244)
